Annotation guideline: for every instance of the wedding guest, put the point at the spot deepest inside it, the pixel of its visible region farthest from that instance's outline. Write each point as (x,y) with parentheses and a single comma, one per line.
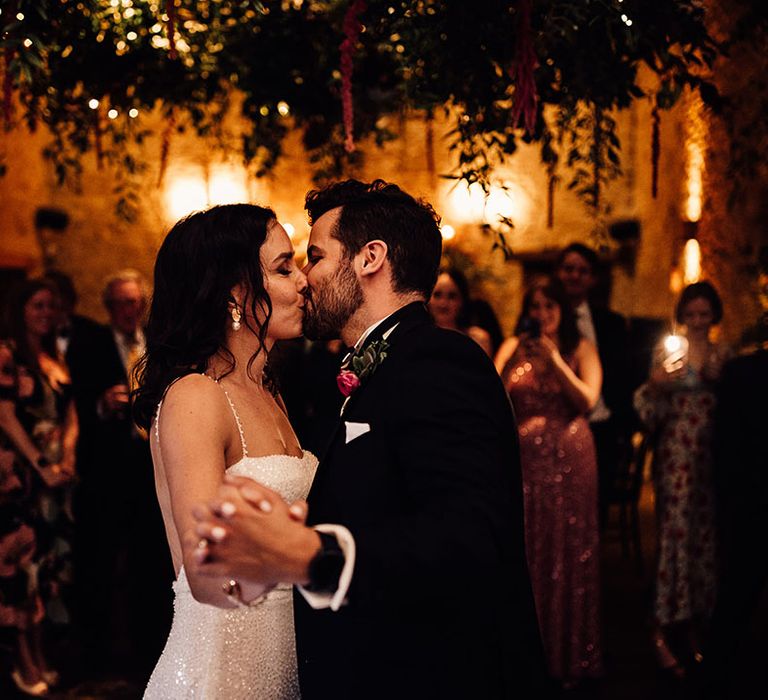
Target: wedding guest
(38,423)
(449,306)
(553,377)
(611,418)
(125,570)
(482,315)
(676,405)
(733,660)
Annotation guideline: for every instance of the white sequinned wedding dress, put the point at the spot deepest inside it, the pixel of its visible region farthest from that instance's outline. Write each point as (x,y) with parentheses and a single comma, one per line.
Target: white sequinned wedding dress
(236,653)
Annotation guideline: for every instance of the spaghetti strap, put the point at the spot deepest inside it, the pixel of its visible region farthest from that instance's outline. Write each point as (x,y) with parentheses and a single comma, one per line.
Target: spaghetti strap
(238,422)
(157,426)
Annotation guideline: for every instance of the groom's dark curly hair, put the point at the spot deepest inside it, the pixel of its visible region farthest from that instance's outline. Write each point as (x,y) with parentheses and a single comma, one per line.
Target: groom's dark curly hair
(382,211)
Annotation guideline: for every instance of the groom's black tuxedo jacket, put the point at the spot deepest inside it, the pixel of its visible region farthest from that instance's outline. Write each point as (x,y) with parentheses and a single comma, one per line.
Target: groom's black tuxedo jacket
(440,604)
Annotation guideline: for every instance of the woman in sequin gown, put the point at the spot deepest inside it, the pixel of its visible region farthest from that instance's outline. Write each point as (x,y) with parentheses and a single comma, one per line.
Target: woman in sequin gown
(553,377)
(677,405)
(226,288)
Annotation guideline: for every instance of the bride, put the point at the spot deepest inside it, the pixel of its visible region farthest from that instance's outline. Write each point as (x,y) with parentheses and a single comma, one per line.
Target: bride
(226,288)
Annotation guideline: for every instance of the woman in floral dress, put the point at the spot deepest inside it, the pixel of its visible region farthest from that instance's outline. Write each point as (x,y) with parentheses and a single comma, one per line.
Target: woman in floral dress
(676,405)
(38,436)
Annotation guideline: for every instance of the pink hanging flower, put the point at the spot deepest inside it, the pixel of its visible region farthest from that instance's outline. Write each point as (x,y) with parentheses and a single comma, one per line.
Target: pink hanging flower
(526,98)
(351,32)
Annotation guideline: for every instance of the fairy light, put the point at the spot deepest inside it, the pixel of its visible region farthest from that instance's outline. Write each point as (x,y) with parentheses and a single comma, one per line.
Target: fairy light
(93,103)
(133,113)
(112,114)
(283,109)
(131,36)
(27,43)
(447,232)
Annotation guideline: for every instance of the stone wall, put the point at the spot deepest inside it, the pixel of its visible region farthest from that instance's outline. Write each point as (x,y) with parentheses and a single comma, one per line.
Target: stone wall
(97,242)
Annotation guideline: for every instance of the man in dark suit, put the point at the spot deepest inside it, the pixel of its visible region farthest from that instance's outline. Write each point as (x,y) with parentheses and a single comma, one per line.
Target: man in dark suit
(735,655)
(611,419)
(122,566)
(417,584)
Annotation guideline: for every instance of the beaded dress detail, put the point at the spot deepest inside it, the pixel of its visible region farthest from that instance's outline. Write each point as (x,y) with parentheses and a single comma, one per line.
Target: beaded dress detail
(239,653)
(560,503)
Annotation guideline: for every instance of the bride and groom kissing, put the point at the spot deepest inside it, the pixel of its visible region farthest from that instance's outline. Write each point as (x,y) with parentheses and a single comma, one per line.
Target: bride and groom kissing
(403,573)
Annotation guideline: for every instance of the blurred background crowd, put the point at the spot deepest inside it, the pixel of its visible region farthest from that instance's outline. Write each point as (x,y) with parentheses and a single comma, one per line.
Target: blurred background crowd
(84,568)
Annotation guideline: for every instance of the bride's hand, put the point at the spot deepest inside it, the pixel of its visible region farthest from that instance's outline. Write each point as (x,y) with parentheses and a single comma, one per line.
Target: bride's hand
(258,539)
(298,510)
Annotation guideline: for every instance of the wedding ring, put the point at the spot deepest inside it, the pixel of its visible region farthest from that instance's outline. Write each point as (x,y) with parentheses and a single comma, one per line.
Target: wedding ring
(235,595)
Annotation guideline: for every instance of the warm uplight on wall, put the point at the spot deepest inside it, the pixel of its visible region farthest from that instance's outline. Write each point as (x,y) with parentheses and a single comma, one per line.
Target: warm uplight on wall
(189,190)
(226,186)
(184,195)
(695,148)
(691,261)
(469,204)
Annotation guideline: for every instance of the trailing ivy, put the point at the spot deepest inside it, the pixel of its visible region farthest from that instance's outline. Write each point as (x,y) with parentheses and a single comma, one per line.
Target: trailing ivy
(283,58)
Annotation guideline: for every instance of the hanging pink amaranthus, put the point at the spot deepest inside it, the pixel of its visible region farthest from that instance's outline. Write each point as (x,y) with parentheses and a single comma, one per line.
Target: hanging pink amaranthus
(7,75)
(351,32)
(526,98)
(170,10)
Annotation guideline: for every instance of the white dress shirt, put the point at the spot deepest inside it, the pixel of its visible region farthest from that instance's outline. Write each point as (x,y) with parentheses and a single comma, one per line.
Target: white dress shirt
(335,599)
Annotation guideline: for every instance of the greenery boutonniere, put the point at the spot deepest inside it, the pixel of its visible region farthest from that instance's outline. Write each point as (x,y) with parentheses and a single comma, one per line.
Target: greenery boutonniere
(354,372)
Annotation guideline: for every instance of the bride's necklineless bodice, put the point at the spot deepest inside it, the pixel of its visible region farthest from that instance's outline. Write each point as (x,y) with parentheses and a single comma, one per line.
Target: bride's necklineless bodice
(289,475)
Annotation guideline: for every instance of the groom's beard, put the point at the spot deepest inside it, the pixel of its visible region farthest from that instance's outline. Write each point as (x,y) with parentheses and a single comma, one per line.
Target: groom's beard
(330,305)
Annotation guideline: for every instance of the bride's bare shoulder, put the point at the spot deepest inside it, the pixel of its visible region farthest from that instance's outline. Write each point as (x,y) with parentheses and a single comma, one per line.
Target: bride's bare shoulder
(193,398)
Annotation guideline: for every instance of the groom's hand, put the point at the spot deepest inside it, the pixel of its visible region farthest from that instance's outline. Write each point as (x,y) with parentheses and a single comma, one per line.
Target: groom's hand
(253,534)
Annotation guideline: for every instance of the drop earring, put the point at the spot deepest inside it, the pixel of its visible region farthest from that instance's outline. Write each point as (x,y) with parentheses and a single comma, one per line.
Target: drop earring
(235,312)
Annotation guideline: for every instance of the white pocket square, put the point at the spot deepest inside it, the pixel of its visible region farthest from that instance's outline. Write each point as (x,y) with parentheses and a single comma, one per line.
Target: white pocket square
(355,430)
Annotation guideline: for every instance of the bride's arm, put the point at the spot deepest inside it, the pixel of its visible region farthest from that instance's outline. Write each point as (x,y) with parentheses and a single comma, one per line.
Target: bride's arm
(194,437)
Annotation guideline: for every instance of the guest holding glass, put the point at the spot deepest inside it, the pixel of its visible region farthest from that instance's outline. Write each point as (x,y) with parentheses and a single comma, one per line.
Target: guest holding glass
(449,306)
(553,377)
(677,405)
(38,424)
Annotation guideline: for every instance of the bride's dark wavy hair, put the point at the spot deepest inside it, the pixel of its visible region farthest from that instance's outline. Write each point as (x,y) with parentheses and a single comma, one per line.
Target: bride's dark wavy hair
(201,259)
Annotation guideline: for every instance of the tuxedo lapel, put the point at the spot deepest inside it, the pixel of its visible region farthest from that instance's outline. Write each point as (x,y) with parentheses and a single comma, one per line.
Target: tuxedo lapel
(403,320)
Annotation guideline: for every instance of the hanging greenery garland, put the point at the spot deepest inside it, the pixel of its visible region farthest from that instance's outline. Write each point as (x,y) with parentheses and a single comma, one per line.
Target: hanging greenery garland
(488,64)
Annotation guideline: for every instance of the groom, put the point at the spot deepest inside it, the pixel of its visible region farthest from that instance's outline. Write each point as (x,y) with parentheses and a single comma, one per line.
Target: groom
(415,585)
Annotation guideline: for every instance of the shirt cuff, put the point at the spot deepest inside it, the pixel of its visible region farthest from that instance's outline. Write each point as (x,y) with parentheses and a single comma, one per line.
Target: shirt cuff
(321,601)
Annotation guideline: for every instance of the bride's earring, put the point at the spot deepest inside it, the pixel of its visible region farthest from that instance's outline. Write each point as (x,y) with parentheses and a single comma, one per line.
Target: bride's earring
(235,313)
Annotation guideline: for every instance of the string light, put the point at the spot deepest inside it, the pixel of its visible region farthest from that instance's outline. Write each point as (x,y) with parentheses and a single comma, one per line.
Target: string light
(20,16)
(93,103)
(283,108)
(27,43)
(133,113)
(131,36)
(447,232)
(112,114)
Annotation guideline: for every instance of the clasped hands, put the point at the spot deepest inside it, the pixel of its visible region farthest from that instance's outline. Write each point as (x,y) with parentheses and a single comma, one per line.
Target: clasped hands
(248,532)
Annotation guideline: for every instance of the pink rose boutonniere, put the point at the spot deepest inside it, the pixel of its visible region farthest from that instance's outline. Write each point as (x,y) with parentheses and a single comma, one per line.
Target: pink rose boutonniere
(354,372)
(347,382)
